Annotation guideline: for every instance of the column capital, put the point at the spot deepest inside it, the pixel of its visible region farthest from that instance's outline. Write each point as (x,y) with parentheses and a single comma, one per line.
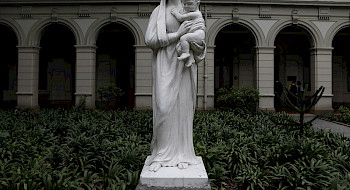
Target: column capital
(85,48)
(28,49)
(321,51)
(140,46)
(265,47)
(142,49)
(321,48)
(211,49)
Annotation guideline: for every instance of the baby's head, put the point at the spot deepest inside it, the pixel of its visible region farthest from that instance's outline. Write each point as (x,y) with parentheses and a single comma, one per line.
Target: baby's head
(190,5)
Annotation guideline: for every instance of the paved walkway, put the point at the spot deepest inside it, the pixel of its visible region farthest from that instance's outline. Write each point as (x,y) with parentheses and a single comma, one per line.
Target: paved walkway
(327,125)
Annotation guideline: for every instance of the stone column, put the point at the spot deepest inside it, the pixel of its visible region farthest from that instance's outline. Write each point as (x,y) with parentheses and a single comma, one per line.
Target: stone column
(85,75)
(205,93)
(321,75)
(28,77)
(143,77)
(265,77)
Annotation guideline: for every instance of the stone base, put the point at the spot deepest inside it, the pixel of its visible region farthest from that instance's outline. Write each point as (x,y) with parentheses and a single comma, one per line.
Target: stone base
(322,112)
(268,109)
(194,177)
(144,187)
(33,108)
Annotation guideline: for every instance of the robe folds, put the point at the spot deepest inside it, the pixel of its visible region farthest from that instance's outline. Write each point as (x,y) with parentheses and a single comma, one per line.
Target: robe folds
(174,94)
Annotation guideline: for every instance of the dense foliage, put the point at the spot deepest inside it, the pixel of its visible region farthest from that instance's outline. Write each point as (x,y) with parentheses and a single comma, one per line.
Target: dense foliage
(343,117)
(260,154)
(108,95)
(73,149)
(245,99)
(77,149)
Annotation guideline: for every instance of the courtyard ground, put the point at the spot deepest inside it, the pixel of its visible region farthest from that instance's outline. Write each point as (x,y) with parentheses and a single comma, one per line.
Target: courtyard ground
(327,125)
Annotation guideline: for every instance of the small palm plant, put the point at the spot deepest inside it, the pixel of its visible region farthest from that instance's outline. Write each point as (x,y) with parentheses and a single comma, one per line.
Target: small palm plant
(303,104)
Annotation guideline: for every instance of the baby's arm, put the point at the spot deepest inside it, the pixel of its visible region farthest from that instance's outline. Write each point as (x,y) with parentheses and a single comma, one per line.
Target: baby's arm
(186,16)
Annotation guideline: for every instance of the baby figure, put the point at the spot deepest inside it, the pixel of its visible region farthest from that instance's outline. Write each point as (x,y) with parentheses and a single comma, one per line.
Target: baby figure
(196,33)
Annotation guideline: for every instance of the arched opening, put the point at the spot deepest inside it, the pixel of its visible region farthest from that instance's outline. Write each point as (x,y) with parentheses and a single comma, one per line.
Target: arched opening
(8,67)
(292,61)
(234,58)
(57,67)
(340,69)
(115,66)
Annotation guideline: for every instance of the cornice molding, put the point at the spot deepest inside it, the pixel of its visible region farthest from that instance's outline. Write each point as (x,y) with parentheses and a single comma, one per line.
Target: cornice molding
(255,2)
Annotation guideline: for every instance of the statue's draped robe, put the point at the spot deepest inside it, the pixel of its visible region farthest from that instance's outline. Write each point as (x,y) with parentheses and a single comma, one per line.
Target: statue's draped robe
(174,94)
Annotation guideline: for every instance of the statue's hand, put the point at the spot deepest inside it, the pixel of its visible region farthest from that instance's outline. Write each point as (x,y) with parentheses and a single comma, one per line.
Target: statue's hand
(184,27)
(173,11)
(196,47)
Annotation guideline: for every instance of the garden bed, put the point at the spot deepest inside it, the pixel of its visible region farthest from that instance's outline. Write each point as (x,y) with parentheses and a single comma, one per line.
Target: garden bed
(78,149)
(342,116)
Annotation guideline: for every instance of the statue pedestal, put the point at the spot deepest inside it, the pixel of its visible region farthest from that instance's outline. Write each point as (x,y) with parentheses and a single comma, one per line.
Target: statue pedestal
(194,177)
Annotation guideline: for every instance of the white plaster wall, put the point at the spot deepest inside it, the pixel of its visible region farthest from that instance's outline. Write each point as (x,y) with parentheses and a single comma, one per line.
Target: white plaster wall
(135,17)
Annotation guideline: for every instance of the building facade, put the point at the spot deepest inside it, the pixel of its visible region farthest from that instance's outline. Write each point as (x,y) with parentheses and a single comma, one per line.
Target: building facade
(56,52)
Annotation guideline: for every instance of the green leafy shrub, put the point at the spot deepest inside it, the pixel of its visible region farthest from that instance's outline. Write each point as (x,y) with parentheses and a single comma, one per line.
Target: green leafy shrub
(75,149)
(343,117)
(106,149)
(252,152)
(108,95)
(246,99)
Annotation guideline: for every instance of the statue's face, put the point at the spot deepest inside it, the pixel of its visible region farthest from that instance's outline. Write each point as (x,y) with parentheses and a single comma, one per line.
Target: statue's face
(190,5)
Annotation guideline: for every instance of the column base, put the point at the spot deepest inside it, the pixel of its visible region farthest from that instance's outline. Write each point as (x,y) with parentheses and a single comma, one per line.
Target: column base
(144,187)
(87,98)
(324,106)
(266,103)
(322,112)
(143,100)
(27,100)
(268,109)
(194,177)
(33,108)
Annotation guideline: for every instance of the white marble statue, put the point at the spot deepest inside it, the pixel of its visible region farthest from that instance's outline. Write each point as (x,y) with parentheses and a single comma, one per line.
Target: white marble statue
(195,34)
(174,89)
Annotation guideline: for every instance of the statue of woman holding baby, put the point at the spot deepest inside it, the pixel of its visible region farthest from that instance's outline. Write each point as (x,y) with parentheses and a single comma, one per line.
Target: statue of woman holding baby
(174,87)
